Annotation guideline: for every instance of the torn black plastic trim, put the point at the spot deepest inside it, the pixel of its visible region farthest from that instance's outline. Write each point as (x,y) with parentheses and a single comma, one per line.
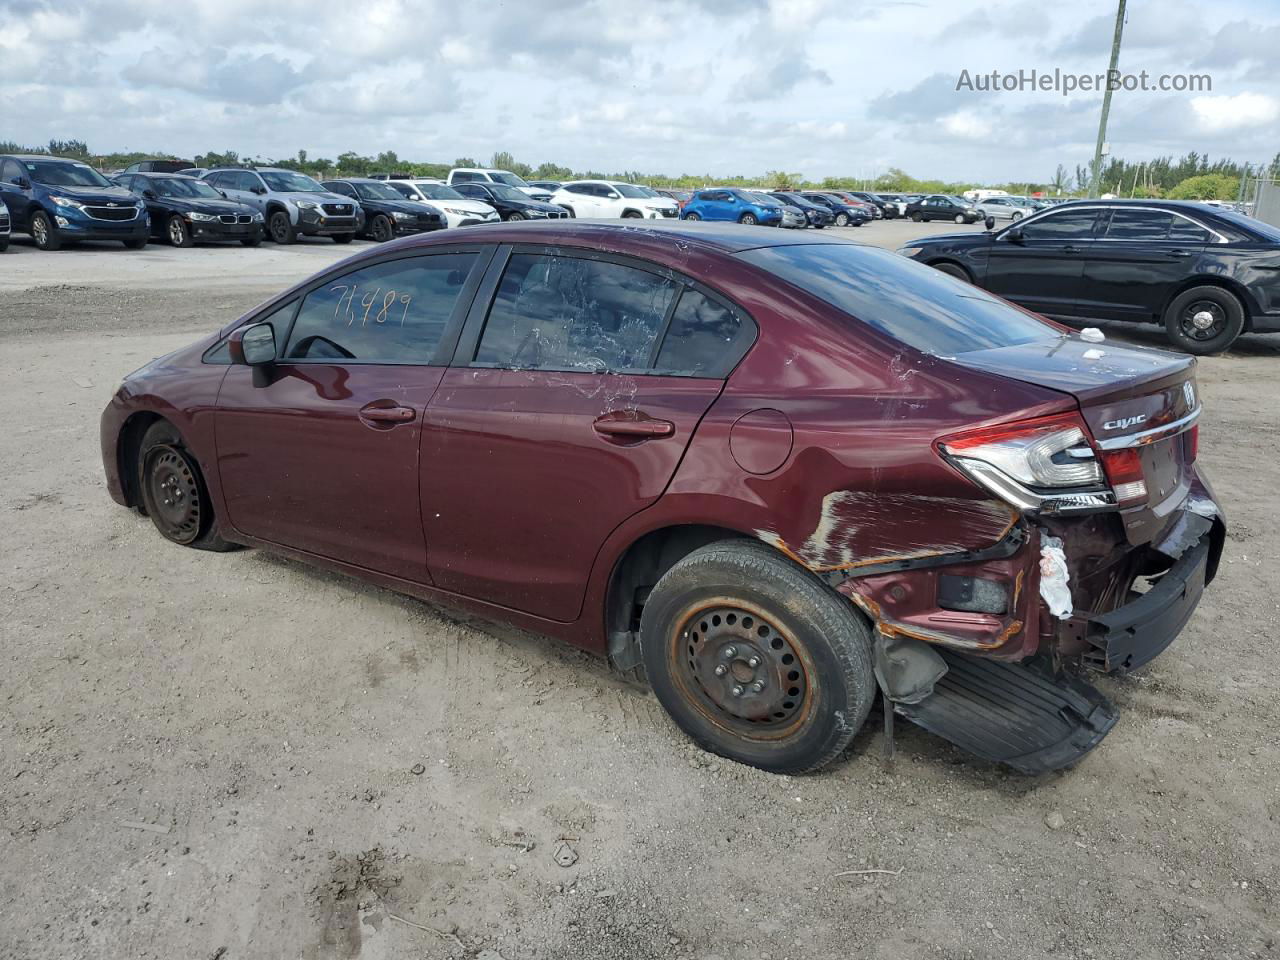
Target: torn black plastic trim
(1002,549)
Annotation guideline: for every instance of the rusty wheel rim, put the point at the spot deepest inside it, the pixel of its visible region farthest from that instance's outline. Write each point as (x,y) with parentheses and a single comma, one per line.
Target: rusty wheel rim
(741,670)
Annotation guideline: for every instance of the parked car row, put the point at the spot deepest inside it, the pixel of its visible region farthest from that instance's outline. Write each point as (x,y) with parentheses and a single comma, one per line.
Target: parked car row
(779,208)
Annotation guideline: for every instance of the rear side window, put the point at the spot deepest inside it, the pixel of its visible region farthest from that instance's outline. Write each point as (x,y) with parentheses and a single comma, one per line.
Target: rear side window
(1188,232)
(569,313)
(460,177)
(702,335)
(393,312)
(1067,224)
(908,301)
(1139,225)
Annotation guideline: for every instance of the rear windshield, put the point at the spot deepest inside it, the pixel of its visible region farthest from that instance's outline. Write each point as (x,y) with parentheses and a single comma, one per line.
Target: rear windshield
(910,302)
(1264,230)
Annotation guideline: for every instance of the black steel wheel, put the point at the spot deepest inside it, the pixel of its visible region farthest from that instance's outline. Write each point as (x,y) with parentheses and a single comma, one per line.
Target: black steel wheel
(1204,320)
(173,492)
(756,659)
(280,227)
(381,228)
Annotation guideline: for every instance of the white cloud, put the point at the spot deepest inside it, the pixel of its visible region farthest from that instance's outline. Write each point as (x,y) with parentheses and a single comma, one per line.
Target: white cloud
(1244,110)
(967,125)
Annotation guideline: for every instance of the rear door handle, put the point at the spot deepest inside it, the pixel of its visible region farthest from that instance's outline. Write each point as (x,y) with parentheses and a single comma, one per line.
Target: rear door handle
(378,414)
(1176,254)
(639,427)
(1071,248)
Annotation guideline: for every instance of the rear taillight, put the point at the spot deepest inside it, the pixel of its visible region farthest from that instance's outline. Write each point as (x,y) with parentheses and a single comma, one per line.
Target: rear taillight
(1124,473)
(1046,463)
(1192,442)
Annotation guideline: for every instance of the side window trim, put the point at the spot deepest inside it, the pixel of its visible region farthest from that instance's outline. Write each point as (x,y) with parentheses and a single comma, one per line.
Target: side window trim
(453,327)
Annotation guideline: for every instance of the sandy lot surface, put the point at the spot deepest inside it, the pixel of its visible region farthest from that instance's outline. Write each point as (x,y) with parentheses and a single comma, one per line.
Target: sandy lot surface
(235,756)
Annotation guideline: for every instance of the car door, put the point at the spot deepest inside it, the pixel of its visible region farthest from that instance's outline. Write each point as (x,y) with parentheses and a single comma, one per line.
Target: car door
(322,454)
(1140,255)
(16,197)
(553,427)
(473,191)
(1039,263)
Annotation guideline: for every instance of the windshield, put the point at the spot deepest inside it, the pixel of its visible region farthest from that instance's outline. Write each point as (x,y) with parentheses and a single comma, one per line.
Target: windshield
(627,190)
(438,191)
(912,303)
(510,179)
(289,182)
(959,201)
(763,200)
(64,173)
(507,193)
(648,192)
(188,189)
(376,191)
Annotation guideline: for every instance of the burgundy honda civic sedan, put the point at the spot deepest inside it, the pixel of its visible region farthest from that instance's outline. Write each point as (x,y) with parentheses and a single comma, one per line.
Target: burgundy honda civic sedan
(773,474)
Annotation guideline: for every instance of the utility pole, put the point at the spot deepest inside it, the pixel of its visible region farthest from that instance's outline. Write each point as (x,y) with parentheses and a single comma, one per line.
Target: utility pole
(1106,102)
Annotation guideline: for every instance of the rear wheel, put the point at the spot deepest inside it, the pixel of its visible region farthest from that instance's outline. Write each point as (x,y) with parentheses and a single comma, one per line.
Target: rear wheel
(281,228)
(381,228)
(43,232)
(692,216)
(343,237)
(173,491)
(178,232)
(756,659)
(916,216)
(1204,320)
(842,219)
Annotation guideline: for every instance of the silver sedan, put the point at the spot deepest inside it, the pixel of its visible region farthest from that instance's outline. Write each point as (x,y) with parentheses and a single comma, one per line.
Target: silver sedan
(1004,208)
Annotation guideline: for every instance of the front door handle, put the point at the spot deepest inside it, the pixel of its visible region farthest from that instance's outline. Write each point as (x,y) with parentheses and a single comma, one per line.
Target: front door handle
(632,426)
(1071,248)
(1176,254)
(378,414)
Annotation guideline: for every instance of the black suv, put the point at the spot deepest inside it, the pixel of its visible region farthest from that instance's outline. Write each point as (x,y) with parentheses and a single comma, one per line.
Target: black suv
(386,213)
(939,206)
(1207,274)
(184,210)
(158,166)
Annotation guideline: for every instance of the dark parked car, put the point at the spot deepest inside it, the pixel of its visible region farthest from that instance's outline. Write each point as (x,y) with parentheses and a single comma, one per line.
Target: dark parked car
(387,214)
(888,209)
(817,215)
(843,213)
(938,206)
(159,166)
(4,227)
(1208,275)
(511,204)
(681,197)
(184,210)
(58,201)
(764,469)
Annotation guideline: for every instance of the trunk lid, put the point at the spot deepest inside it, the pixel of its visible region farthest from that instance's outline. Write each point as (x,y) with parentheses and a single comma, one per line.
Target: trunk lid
(1126,395)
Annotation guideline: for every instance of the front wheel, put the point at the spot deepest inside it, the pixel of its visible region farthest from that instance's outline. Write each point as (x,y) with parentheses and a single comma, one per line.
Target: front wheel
(960,218)
(1017,215)
(692,216)
(916,216)
(1204,320)
(137,243)
(756,659)
(749,219)
(43,233)
(513,217)
(381,229)
(173,491)
(281,228)
(178,232)
(842,219)
(343,237)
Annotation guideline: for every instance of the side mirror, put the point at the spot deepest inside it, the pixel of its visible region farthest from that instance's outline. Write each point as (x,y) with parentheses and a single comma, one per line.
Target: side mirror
(259,190)
(24,183)
(224,194)
(990,222)
(614,195)
(1013,235)
(149,194)
(253,346)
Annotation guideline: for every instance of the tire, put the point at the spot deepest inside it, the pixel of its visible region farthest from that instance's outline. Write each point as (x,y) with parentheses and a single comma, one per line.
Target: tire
(1187,312)
(1017,215)
(44,233)
(173,490)
(736,613)
(381,229)
(842,219)
(916,216)
(953,270)
(178,233)
(513,217)
(632,215)
(960,218)
(281,228)
(748,219)
(692,216)
(4,244)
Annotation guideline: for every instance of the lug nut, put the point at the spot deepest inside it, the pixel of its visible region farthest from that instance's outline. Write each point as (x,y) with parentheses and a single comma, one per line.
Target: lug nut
(753,662)
(758,686)
(737,690)
(730,652)
(721,670)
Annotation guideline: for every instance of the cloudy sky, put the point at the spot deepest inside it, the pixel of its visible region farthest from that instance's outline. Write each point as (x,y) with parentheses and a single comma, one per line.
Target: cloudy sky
(820,87)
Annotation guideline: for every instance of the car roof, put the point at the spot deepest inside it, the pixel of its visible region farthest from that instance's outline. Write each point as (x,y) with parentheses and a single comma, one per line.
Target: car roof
(44,156)
(157,173)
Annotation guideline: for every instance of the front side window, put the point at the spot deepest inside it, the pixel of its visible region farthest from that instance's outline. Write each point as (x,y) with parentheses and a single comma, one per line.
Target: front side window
(1139,225)
(393,312)
(918,306)
(1063,225)
(569,313)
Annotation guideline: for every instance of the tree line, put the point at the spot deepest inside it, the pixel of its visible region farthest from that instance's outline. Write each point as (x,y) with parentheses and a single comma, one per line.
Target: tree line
(1191,176)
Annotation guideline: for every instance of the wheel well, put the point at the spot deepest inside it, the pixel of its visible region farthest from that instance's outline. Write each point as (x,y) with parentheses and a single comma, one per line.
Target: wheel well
(632,212)
(953,263)
(275,207)
(634,575)
(1221,282)
(128,445)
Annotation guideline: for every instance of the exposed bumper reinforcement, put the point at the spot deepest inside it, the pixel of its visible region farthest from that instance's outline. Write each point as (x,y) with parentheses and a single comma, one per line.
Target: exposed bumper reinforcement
(1015,714)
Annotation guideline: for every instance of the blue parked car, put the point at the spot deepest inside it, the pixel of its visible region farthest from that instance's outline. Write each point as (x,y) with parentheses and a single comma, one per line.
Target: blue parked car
(744,206)
(57,200)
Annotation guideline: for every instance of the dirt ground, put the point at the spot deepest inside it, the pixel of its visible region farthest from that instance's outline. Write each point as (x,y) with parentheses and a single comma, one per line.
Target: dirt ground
(232,756)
